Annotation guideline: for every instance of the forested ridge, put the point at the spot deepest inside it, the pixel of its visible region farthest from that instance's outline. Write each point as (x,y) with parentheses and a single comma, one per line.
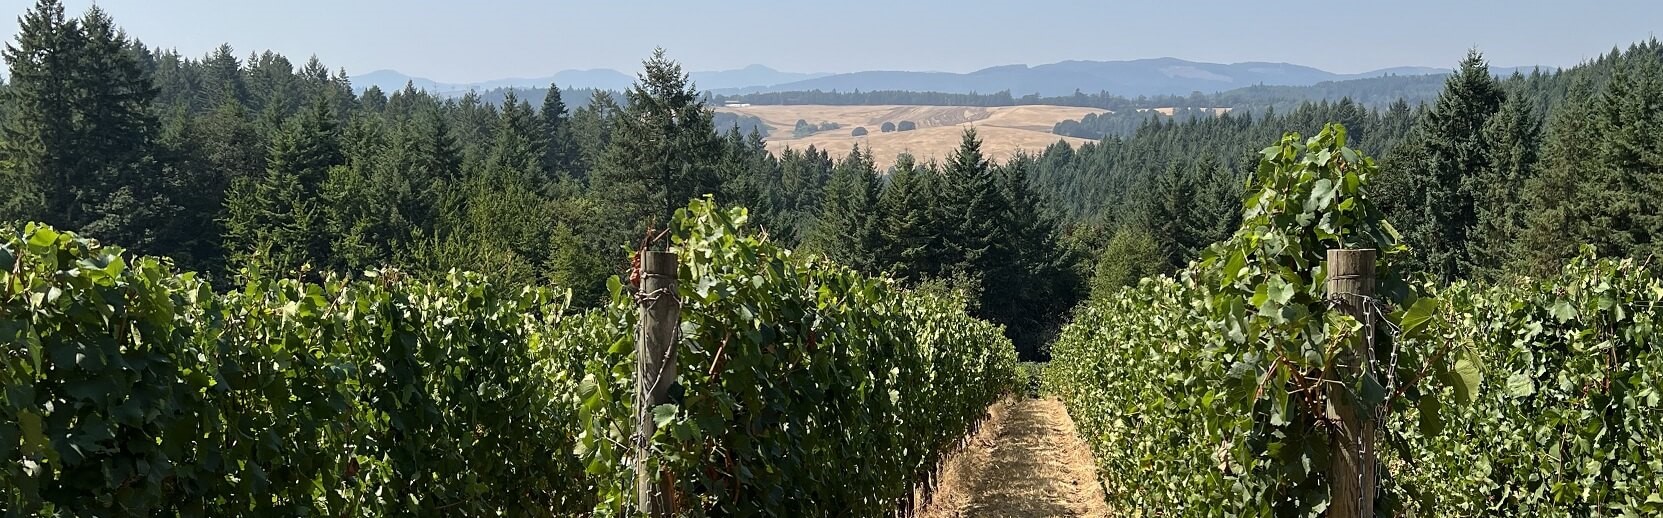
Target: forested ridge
(1373,92)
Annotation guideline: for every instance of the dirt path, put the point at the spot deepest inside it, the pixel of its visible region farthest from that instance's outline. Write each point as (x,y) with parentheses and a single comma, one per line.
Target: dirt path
(1026,461)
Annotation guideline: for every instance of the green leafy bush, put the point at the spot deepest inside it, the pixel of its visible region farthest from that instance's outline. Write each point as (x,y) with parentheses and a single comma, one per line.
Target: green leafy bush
(1028,376)
(806,389)
(1566,418)
(1209,393)
(132,390)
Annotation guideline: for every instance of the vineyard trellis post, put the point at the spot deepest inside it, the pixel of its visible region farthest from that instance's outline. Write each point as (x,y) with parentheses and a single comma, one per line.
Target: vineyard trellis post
(655,370)
(1352,455)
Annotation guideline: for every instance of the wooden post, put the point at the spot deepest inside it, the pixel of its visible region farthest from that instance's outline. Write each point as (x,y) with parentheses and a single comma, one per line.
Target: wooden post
(655,370)
(1352,456)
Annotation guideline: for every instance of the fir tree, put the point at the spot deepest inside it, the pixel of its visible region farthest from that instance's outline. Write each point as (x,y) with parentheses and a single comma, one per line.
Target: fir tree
(974,212)
(560,150)
(663,152)
(1446,177)
(1514,137)
(1171,218)
(844,230)
(275,221)
(40,145)
(117,143)
(908,247)
(220,79)
(592,130)
(1039,284)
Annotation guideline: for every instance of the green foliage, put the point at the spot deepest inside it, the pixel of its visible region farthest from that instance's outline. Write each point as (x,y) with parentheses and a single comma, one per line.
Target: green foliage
(846,230)
(79,141)
(130,390)
(1028,378)
(1131,255)
(788,366)
(1529,398)
(1566,399)
(1445,183)
(662,152)
(1234,422)
(1602,171)
(133,391)
(276,220)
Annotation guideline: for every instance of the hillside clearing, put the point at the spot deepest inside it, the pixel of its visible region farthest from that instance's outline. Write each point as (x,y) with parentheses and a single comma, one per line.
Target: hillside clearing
(1004,129)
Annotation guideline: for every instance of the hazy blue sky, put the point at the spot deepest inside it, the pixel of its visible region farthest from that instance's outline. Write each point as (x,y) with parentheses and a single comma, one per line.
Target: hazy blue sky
(465,41)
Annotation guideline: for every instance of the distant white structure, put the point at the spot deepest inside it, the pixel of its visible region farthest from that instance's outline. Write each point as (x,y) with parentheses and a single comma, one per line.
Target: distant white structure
(731,104)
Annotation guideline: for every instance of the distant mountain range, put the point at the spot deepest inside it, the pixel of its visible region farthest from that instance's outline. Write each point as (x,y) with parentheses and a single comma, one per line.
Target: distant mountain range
(754,76)
(1158,76)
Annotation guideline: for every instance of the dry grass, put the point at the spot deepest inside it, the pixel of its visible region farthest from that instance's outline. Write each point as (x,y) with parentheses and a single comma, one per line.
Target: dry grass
(1003,129)
(1025,461)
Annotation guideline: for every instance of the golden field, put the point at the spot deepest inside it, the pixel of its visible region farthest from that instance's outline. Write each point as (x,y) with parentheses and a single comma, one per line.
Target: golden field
(1003,129)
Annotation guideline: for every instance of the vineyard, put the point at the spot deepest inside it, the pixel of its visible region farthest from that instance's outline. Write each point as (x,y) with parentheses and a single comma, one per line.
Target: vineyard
(132,389)
(1269,378)
(1226,390)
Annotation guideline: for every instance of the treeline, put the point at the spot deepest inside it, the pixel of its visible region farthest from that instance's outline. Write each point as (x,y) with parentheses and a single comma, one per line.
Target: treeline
(229,166)
(579,98)
(1495,175)
(1097,126)
(1374,92)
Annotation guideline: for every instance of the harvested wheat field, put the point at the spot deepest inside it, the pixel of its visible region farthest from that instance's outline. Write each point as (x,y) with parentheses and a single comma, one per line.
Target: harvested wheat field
(1003,129)
(1025,461)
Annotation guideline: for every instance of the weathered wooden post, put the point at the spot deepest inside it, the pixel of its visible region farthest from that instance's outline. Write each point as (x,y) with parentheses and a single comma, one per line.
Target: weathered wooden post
(1352,457)
(655,370)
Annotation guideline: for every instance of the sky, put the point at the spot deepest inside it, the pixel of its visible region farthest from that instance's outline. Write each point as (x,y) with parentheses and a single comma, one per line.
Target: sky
(472,41)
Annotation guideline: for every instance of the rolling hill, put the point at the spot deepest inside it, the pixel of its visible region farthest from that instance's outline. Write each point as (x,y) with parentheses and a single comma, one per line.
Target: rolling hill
(1158,76)
(1003,129)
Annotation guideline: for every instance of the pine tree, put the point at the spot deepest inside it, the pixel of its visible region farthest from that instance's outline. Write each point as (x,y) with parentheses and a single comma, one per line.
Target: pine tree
(974,210)
(1040,284)
(474,122)
(360,198)
(793,200)
(275,221)
(560,150)
(220,79)
(966,181)
(908,249)
(844,230)
(1170,216)
(502,223)
(1446,177)
(592,130)
(1514,137)
(373,99)
(1559,200)
(272,85)
(663,153)
(748,173)
(117,149)
(517,151)
(41,142)
(1218,206)
(1621,167)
